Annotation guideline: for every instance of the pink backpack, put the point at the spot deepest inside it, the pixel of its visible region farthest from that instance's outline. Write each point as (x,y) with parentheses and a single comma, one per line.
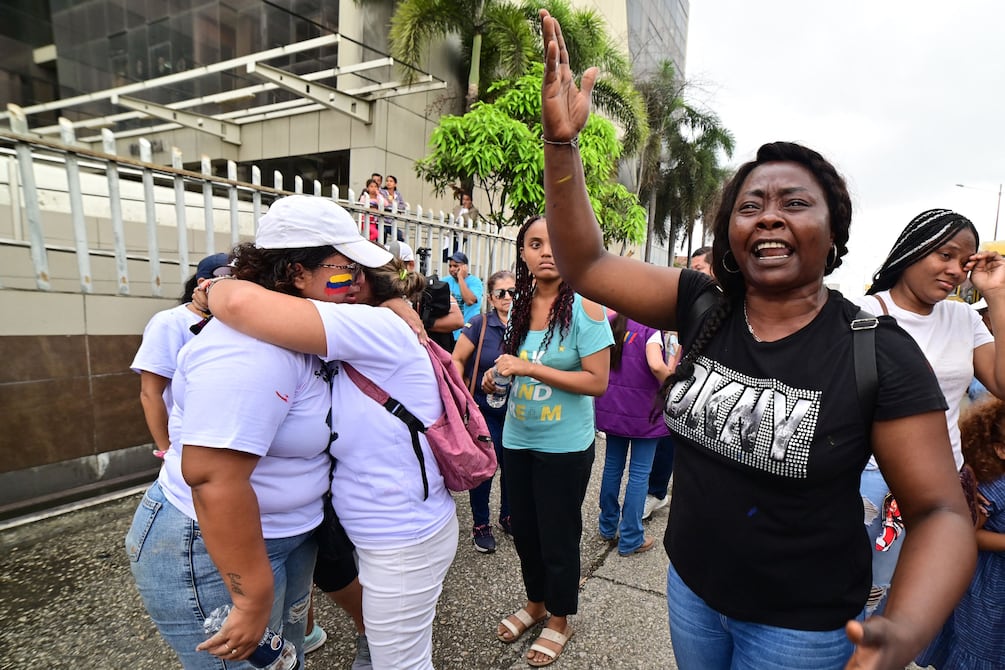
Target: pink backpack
(459,439)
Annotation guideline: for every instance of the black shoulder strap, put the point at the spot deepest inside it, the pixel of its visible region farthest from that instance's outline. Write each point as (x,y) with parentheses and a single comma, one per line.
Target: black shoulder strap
(863,328)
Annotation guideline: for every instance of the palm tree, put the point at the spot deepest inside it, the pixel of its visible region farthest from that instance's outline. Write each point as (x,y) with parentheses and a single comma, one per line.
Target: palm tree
(679,173)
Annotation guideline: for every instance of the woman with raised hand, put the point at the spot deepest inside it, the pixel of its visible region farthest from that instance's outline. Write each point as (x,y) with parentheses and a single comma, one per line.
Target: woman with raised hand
(405,533)
(557,352)
(932,256)
(769,562)
(477,348)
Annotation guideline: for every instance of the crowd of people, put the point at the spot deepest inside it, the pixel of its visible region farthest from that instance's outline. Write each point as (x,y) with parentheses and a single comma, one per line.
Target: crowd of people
(854,495)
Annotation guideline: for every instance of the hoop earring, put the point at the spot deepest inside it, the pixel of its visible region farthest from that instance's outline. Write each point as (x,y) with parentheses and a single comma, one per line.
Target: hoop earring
(727,255)
(831,263)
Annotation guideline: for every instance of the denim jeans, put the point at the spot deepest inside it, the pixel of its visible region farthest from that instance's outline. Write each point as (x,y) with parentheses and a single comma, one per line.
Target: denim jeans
(703,639)
(874,489)
(479,496)
(659,477)
(180,585)
(627,520)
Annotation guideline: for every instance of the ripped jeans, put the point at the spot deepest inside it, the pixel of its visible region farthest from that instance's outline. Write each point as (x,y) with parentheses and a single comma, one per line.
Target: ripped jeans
(180,585)
(874,488)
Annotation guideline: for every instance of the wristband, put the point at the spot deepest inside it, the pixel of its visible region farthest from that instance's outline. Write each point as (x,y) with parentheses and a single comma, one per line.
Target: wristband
(574,142)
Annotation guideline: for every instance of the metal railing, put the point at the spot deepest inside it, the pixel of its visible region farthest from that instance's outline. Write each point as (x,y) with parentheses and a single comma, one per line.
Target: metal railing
(98,190)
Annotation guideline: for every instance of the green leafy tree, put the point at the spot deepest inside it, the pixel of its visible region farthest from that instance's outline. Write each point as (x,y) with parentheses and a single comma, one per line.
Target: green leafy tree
(498,146)
(679,171)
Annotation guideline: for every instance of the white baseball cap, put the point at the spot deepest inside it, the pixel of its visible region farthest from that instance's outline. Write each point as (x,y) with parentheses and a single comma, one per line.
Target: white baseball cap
(300,221)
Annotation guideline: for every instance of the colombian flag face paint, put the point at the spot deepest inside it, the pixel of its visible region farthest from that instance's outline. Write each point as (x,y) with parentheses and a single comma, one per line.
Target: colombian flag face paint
(338,284)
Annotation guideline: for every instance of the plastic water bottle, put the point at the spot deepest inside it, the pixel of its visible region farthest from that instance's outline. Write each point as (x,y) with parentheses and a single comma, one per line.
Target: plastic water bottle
(273,653)
(502,382)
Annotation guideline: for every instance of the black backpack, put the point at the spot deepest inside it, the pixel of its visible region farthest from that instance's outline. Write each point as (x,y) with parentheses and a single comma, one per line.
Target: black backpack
(435,300)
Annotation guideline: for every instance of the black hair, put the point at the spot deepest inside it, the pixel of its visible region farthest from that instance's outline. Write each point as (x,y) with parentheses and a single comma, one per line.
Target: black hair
(519,320)
(188,289)
(701,251)
(619,326)
(276,269)
(924,234)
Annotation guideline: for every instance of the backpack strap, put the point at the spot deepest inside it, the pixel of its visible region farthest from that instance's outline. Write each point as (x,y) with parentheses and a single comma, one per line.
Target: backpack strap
(381,397)
(863,328)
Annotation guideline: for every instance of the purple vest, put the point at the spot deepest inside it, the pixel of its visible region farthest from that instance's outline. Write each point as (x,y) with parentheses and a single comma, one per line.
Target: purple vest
(627,407)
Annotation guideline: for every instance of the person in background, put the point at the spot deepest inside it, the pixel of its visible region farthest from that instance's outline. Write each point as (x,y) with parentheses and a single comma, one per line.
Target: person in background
(466,288)
(769,564)
(659,478)
(371,197)
(482,338)
(156,359)
(400,249)
(464,215)
(557,352)
(932,257)
(378,179)
(393,200)
(973,638)
(403,526)
(627,415)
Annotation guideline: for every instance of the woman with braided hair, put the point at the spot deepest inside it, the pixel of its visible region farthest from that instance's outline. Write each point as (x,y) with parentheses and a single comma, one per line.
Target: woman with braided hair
(557,351)
(932,256)
(769,561)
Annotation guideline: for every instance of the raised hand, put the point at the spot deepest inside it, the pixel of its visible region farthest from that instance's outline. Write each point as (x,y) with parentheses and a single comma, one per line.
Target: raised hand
(987,271)
(564,107)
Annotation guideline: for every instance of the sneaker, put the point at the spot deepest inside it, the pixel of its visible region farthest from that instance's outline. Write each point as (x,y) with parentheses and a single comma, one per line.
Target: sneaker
(506,524)
(483,539)
(315,639)
(652,504)
(362,660)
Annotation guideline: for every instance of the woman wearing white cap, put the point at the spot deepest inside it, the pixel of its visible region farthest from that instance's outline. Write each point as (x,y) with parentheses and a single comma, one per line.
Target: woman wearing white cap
(403,524)
(231,516)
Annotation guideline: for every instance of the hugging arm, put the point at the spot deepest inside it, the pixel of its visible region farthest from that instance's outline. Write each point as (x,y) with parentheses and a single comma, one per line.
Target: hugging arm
(576,238)
(939,552)
(284,320)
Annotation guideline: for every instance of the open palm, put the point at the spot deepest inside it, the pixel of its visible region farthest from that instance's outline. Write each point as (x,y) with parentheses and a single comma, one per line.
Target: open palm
(565,108)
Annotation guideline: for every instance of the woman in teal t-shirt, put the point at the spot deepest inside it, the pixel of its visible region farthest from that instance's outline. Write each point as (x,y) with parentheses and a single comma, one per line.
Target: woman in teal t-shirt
(557,349)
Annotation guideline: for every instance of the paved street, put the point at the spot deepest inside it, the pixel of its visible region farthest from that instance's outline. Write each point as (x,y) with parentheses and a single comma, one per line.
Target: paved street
(67,600)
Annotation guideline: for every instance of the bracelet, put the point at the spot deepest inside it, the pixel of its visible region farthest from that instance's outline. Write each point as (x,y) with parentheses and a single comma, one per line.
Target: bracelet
(208,283)
(574,142)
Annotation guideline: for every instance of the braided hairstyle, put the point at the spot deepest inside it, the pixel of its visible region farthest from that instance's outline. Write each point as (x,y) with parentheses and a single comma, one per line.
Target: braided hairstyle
(519,320)
(733,284)
(925,233)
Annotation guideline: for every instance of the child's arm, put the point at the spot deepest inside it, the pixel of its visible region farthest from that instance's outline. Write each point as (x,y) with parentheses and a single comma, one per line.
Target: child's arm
(988,540)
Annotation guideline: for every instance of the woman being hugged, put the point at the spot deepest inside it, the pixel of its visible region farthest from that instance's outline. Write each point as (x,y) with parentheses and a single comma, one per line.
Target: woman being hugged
(932,256)
(481,340)
(557,351)
(769,562)
(402,523)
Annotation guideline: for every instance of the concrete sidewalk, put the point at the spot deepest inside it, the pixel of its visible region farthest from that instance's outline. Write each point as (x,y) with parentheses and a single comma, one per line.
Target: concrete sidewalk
(67,600)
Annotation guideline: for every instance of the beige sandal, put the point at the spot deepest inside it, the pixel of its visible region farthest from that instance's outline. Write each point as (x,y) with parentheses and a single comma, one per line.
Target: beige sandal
(517,628)
(551,635)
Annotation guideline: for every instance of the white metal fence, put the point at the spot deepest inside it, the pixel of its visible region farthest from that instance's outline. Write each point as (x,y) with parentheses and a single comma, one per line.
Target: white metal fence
(122,221)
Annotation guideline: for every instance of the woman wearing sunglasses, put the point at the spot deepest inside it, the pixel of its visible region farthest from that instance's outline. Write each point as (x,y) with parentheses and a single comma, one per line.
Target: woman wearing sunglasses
(479,344)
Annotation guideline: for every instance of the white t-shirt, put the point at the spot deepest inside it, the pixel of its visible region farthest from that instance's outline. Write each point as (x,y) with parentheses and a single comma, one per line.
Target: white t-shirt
(164,336)
(948,337)
(377,490)
(235,392)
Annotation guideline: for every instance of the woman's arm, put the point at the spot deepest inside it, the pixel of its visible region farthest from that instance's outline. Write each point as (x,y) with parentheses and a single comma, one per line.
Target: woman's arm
(987,273)
(988,540)
(277,318)
(576,239)
(155,412)
(463,348)
(591,380)
(939,552)
(230,522)
(657,362)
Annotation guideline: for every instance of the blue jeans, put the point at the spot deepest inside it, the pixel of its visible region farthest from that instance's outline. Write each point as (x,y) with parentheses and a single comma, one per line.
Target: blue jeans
(874,488)
(659,477)
(630,516)
(479,496)
(180,585)
(703,639)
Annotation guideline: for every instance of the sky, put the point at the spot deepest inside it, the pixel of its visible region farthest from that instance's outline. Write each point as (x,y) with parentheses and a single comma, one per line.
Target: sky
(906,99)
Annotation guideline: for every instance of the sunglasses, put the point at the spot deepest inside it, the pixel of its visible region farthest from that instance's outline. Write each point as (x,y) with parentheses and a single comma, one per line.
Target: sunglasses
(501,293)
(350,267)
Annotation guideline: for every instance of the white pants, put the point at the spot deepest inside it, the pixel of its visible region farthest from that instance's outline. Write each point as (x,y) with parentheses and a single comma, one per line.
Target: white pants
(400,590)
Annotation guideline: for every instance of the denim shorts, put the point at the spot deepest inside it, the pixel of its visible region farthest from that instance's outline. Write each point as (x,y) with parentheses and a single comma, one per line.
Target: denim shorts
(180,585)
